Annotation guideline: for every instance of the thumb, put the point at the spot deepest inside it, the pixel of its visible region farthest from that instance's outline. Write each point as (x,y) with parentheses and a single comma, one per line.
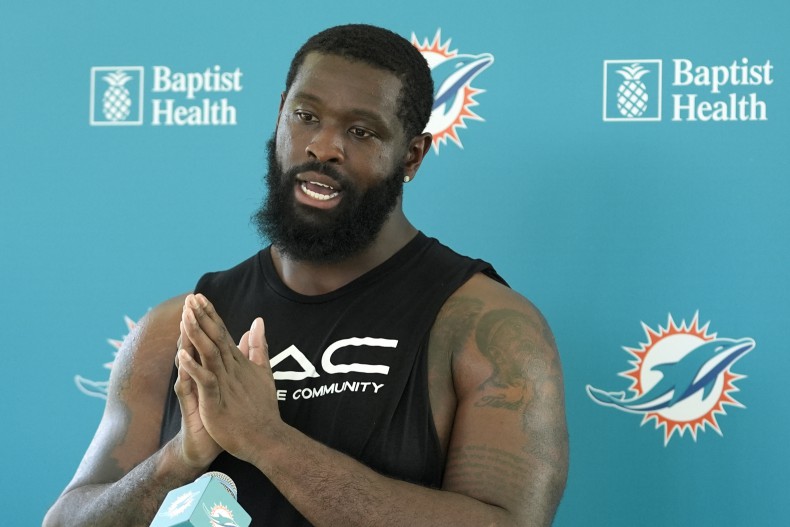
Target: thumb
(259,349)
(244,345)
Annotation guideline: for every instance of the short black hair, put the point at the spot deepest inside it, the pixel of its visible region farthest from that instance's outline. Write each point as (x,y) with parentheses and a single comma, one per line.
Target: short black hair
(380,48)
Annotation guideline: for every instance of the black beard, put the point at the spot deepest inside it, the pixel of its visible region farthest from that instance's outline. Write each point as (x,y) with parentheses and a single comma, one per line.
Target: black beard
(316,235)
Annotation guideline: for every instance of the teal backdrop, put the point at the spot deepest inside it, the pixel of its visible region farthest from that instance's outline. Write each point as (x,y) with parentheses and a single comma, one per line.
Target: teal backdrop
(645,215)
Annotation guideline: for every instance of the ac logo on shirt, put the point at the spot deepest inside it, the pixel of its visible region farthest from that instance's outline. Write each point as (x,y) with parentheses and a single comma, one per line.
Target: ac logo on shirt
(308,370)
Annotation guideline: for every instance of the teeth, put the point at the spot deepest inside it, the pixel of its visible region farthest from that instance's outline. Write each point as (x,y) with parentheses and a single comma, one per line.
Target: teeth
(316,195)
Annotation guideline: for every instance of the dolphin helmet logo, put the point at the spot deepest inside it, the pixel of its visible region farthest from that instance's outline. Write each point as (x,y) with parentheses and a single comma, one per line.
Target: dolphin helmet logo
(681,378)
(453,74)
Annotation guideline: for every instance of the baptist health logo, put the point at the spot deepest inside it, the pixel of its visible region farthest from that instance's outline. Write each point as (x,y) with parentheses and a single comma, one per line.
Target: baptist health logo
(681,378)
(118,95)
(632,90)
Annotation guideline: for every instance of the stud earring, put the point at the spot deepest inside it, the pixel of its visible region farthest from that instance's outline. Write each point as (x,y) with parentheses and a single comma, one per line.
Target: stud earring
(406,179)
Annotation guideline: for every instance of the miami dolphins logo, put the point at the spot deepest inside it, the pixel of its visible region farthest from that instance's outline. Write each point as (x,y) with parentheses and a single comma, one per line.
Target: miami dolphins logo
(454,94)
(220,516)
(681,378)
(99,388)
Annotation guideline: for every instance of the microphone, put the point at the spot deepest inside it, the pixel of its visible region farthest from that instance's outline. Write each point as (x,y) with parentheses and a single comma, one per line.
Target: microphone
(209,501)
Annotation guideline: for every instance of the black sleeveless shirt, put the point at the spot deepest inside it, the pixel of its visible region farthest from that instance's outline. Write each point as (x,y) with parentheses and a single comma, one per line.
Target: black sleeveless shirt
(349,366)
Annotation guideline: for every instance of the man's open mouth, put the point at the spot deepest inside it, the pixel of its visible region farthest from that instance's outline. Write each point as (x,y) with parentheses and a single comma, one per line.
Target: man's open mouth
(319,191)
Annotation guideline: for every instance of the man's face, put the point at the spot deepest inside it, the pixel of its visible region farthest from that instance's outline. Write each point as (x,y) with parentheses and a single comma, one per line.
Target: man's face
(336,161)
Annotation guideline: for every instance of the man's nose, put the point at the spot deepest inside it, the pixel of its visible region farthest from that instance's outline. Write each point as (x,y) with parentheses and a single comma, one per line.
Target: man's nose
(326,146)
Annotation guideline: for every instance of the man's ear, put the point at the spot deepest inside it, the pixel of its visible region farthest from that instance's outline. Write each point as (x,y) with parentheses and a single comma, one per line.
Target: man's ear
(418,148)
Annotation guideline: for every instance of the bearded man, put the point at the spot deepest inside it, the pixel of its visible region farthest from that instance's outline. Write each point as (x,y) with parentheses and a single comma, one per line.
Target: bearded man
(355,371)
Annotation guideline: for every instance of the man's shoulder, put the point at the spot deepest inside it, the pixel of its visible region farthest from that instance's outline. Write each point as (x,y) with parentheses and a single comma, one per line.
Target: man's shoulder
(484,304)
(144,362)
(159,328)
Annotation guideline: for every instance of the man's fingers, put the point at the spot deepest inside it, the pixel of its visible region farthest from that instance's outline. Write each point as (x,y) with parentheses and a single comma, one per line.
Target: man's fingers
(185,390)
(183,386)
(201,313)
(204,380)
(202,302)
(210,322)
(184,343)
(207,350)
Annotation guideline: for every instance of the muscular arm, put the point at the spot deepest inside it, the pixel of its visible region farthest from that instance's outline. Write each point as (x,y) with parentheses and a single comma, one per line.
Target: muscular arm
(507,456)
(123,476)
(509,445)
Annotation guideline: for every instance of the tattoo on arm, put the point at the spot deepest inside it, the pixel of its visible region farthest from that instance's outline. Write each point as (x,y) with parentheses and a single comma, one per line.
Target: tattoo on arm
(455,323)
(527,379)
(451,331)
(509,340)
(483,471)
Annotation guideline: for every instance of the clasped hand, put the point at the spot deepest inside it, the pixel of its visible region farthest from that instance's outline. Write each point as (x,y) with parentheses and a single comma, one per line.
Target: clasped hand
(226,391)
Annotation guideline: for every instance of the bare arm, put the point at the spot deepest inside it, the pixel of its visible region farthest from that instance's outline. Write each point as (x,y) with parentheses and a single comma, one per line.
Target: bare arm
(509,445)
(507,457)
(123,476)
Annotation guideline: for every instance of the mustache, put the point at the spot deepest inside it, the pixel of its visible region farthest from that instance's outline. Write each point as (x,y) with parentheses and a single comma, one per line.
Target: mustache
(314,166)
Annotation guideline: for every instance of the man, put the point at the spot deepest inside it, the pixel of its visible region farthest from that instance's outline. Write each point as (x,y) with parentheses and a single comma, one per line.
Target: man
(410,385)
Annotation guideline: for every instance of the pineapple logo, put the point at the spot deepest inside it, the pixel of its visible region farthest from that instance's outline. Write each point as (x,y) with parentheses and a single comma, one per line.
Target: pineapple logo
(116,101)
(116,96)
(632,94)
(637,96)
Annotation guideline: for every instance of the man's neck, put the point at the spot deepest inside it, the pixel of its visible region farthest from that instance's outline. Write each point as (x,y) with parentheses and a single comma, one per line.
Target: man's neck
(317,278)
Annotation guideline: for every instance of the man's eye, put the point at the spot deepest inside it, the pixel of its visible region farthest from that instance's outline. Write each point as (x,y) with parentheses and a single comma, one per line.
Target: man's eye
(360,132)
(305,116)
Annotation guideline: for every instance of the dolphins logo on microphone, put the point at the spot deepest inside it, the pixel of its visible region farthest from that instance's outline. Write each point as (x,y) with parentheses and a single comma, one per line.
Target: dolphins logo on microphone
(453,98)
(180,504)
(681,378)
(220,516)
